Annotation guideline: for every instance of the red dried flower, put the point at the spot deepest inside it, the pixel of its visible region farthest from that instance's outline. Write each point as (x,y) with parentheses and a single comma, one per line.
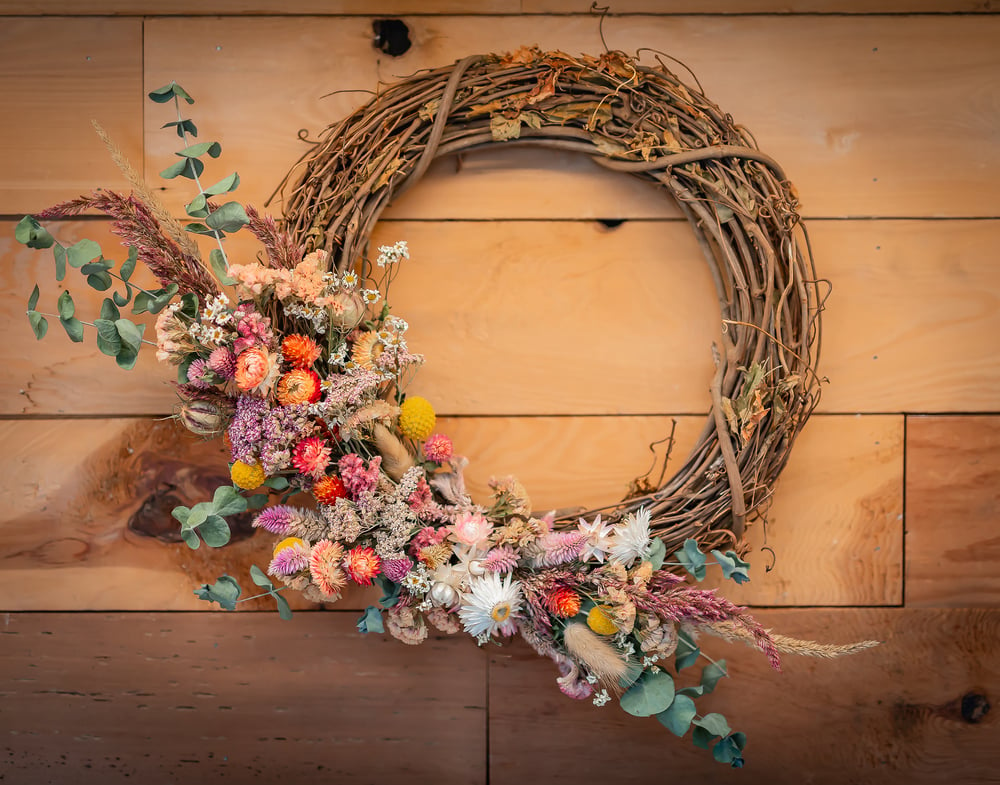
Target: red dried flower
(563,602)
(362,565)
(328,489)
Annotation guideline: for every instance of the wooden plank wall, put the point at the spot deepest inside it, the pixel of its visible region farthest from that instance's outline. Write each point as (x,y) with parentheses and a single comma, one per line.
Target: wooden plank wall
(885,114)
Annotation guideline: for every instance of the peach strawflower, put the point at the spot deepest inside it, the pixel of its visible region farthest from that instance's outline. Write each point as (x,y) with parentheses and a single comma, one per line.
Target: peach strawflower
(324,568)
(362,565)
(255,369)
(438,448)
(300,350)
(298,386)
(311,456)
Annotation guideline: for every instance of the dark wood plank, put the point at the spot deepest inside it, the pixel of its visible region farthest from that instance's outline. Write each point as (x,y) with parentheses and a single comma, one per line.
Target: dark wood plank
(889,715)
(166,698)
(953,511)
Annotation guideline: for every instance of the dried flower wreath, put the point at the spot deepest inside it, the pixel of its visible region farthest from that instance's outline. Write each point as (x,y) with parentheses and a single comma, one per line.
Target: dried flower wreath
(305,375)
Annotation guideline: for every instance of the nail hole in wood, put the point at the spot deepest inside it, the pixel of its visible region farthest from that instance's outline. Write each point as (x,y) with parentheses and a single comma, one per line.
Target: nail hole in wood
(392,36)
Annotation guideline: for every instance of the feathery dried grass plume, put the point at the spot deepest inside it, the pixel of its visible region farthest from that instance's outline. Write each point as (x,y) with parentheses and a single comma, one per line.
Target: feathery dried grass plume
(281,249)
(597,654)
(396,459)
(733,632)
(171,226)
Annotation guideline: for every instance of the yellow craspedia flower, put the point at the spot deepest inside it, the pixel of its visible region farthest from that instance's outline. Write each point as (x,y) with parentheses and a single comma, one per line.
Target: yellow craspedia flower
(288,542)
(599,620)
(416,418)
(247,477)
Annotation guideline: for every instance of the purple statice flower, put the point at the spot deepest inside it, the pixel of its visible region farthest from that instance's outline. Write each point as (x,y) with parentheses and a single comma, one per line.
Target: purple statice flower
(502,559)
(222,362)
(276,519)
(282,428)
(396,569)
(244,429)
(290,560)
(199,374)
(356,478)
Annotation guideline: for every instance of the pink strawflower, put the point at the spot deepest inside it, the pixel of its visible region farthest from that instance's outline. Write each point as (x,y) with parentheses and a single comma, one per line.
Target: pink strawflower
(502,559)
(426,538)
(356,478)
(471,528)
(311,456)
(290,560)
(396,569)
(362,565)
(438,448)
(197,372)
(222,362)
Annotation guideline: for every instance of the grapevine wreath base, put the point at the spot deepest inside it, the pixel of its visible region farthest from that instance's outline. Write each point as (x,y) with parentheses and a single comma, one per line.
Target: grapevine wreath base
(303,368)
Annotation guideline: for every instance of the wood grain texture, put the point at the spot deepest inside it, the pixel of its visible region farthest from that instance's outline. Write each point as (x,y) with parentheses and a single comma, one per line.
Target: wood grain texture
(892,714)
(513,318)
(55,76)
(953,511)
(164,698)
(764,7)
(86,522)
(852,104)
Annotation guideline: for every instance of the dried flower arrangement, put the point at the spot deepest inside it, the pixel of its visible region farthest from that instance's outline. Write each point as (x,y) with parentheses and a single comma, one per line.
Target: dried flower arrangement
(303,368)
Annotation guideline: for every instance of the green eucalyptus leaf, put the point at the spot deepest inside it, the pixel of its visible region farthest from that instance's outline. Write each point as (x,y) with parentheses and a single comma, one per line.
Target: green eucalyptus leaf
(108,340)
(227,501)
(728,751)
(258,576)
(33,299)
(161,298)
(225,185)
(694,691)
(74,329)
(687,652)
(692,559)
(390,592)
(128,266)
(677,718)
(733,567)
(32,234)
(214,531)
(126,357)
(123,299)
(214,150)
(225,591)
(82,252)
(109,311)
(714,723)
(218,263)
(39,324)
(198,228)
(284,609)
(189,304)
(228,218)
(165,94)
(142,302)
(277,482)
(130,333)
(100,281)
(186,167)
(651,694)
(65,305)
(711,674)
(371,621)
(182,127)
(197,207)
(59,254)
(190,539)
(182,514)
(657,553)
(199,514)
(702,738)
(256,501)
(98,266)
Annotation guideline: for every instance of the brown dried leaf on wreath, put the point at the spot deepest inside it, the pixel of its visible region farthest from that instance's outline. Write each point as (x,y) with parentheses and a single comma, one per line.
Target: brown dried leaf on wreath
(504,128)
(591,111)
(429,110)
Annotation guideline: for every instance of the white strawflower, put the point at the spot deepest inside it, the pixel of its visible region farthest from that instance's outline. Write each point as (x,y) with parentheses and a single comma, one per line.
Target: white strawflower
(598,539)
(630,540)
(490,605)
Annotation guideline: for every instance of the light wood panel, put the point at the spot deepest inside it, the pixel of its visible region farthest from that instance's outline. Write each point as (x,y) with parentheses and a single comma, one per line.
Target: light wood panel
(850,106)
(55,76)
(572,317)
(953,511)
(86,522)
(761,7)
(892,714)
(161,698)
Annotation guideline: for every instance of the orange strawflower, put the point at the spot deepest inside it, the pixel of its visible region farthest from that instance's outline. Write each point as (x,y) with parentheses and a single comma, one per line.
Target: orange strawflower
(328,489)
(298,386)
(362,564)
(300,350)
(255,368)
(563,602)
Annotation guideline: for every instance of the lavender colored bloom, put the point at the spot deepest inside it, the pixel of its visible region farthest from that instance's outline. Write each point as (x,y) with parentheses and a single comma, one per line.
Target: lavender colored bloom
(245,428)
(282,428)
(276,519)
(223,362)
(199,374)
(290,560)
(396,569)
